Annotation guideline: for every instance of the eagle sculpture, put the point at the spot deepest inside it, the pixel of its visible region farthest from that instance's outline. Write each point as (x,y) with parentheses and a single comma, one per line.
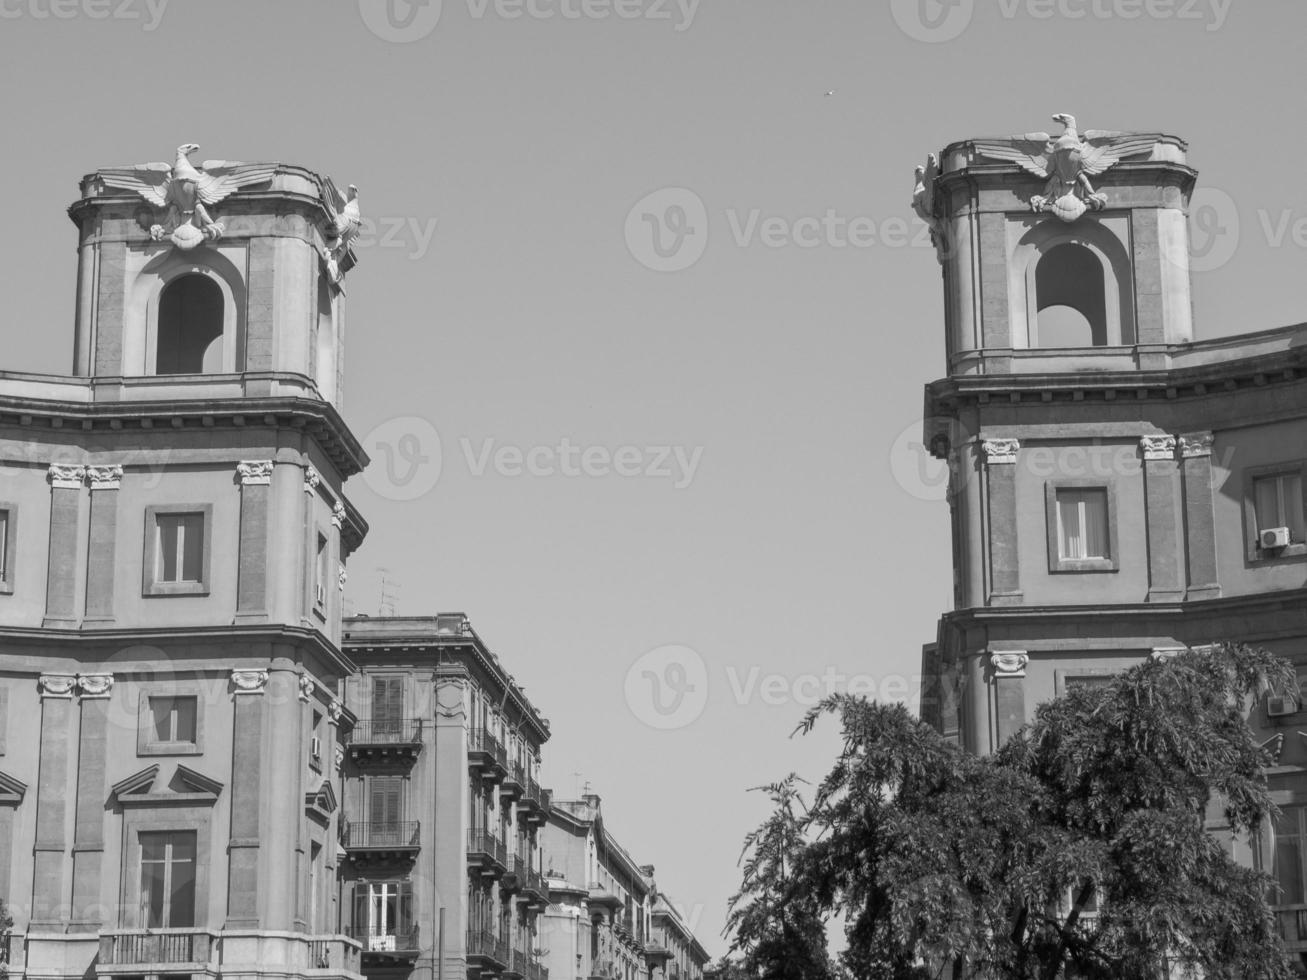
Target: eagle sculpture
(181,191)
(343,222)
(923,200)
(1067,162)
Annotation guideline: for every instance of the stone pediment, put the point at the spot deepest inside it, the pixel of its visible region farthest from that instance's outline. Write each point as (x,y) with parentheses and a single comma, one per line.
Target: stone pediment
(12,790)
(321,803)
(186,788)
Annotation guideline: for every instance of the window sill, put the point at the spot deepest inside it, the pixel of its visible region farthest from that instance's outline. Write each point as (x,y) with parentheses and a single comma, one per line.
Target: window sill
(156,589)
(6,588)
(1085,565)
(1270,556)
(169,748)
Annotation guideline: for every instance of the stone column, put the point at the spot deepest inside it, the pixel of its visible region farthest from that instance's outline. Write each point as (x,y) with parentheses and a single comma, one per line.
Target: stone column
(1009,692)
(61,577)
(100,556)
(1199,517)
(285,804)
(451,807)
(247,766)
(88,837)
(252,570)
(49,910)
(1164,521)
(1000,485)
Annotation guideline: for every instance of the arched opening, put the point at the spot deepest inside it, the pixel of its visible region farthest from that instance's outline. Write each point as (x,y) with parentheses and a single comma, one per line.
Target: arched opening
(189,327)
(1071,298)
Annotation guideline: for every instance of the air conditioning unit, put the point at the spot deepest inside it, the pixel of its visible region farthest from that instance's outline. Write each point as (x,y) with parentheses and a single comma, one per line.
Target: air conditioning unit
(315,747)
(1284,704)
(1273,537)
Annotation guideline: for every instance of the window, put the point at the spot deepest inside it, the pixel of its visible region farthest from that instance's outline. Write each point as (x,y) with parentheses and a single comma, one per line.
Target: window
(1081,527)
(190,326)
(387,706)
(1071,296)
(7,512)
(320,580)
(177,550)
(1287,856)
(383,914)
(168,880)
(385,810)
(173,719)
(1278,502)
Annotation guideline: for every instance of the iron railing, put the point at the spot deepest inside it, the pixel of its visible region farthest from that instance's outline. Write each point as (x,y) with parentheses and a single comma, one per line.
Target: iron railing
(390,941)
(387,731)
(398,834)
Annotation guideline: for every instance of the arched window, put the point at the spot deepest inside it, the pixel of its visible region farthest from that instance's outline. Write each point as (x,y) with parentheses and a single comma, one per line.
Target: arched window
(190,327)
(1071,298)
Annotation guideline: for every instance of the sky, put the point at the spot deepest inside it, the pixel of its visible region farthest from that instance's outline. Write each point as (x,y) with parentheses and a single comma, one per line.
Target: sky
(639,332)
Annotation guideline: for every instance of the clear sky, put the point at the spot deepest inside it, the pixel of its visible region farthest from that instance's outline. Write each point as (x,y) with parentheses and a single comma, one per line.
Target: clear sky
(510,299)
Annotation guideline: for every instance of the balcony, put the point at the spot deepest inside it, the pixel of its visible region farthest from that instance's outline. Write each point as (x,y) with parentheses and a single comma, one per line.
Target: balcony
(535,891)
(486,951)
(535,971)
(517,965)
(656,953)
(386,740)
(137,952)
(180,950)
(1292,921)
(486,756)
(388,947)
(391,841)
(488,852)
(514,784)
(535,802)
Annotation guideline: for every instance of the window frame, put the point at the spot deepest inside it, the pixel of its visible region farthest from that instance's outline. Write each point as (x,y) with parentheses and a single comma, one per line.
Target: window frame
(168,863)
(194,819)
(146,743)
(1056,563)
(150,584)
(1254,553)
(7,550)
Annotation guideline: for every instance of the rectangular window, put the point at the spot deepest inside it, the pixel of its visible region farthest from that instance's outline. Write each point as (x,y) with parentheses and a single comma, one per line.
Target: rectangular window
(4,545)
(173,719)
(168,880)
(1287,857)
(181,548)
(320,584)
(387,706)
(385,810)
(383,914)
(1278,502)
(8,517)
(1082,524)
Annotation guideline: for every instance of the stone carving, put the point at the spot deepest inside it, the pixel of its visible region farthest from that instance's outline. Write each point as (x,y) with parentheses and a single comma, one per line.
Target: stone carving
(312,479)
(923,201)
(56,685)
(338,514)
(249,681)
(340,757)
(344,220)
(335,708)
(95,685)
(67,476)
(1010,664)
(1158,447)
(1067,162)
(308,687)
(341,576)
(181,191)
(105,477)
(255,472)
(1275,745)
(1001,450)
(1196,444)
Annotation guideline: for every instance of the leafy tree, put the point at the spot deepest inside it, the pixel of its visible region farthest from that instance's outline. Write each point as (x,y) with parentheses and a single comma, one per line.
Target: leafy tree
(777,924)
(1080,849)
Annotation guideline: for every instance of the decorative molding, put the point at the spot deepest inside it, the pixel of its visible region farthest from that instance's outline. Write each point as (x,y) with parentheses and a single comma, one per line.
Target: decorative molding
(57,685)
(1275,745)
(12,790)
(140,782)
(308,687)
(249,681)
(312,480)
(1001,450)
(198,782)
(105,477)
(338,514)
(255,472)
(1194,444)
(335,708)
(91,686)
(341,576)
(1010,663)
(1158,447)
(66,476)
(340,758)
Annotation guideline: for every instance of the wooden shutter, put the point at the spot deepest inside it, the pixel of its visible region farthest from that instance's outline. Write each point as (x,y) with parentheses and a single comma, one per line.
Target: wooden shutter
(387,704)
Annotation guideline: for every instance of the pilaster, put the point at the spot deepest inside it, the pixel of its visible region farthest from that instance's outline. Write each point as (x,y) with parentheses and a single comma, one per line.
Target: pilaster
(1000,488)
(88,840)
(1009,692)
(252,570)
(101,556)
(1164,520)
(49,908)
(247,771)
(1200,537)
(61,578)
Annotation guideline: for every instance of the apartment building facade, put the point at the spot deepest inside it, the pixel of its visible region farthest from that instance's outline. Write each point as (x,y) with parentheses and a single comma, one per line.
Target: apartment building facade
(174,530)
(1118,490)
(607,918)
(442,804)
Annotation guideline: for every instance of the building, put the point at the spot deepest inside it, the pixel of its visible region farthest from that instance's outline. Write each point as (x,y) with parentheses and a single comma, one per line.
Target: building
(607,918)
(442,804)
(173,533)
(1119,490)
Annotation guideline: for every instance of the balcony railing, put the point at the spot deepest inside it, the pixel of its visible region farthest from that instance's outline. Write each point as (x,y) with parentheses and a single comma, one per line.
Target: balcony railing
(387,731)
(486,849)
(147,951)
(536,971)
(514,784)
(484,946)
(141,947)
(404,835)
(392,942)
(487,754)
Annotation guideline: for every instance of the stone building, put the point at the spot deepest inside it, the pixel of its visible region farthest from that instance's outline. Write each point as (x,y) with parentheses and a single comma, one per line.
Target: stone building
(173,532)
(1119,490)
(607,918)
(442,804)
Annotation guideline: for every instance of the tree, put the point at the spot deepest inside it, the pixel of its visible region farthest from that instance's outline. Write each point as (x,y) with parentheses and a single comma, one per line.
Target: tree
(1080,849)
(777,924)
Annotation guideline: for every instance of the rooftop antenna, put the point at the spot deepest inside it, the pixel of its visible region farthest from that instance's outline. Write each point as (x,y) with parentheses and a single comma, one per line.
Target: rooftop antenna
(576,784)
(389,589)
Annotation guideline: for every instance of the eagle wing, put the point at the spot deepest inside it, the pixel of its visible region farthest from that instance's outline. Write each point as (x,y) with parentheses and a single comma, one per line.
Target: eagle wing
(150,180)
(1104,149)
(928,183)
(332,197)
(222,179)
(1029,152)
